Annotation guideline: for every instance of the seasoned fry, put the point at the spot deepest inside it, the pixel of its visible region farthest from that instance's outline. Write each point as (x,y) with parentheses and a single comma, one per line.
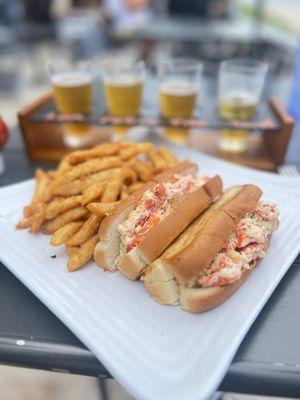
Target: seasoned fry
(64,165)
(112,173)
(126,153)
(112,191)
(70,202)
(58,206)
(42,180)
(129,175)
(71,215)
(24,223)
(88,229)
(38,219)
(52,174)
(158,163)
(127,144)
(103,150)
(124,193)
(134,187)
(72,188)
(170,158)
(85,168)
(72,249)
(101,209)
(93,192)
(28,211)
(142,169)
(79,258)
(79,185)
(89,167)
(66,232)
(145,147)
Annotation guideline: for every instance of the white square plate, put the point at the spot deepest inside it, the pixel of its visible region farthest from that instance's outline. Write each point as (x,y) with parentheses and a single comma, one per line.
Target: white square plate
(155,352)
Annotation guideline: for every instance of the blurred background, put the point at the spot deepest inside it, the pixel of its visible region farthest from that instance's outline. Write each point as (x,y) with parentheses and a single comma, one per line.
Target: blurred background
(32,32)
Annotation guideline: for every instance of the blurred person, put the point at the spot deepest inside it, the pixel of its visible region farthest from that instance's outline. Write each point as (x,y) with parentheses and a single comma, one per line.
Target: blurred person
(127,13)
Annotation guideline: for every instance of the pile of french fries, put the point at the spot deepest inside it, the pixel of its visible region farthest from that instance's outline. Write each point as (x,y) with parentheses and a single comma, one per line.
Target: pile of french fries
(70,203)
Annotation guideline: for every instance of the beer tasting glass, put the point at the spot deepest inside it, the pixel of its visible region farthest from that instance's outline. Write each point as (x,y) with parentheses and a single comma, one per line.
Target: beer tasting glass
(72,90)
(123,87)
(179,81)
(240,86)
(178,87)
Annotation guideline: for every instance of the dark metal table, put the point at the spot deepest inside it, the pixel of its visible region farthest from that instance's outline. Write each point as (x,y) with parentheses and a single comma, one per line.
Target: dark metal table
(268,361)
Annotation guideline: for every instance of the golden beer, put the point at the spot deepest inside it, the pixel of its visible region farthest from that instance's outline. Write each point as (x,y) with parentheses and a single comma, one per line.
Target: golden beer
(177,99)
(124,96)
(233,140)
(73,94)
(238,106)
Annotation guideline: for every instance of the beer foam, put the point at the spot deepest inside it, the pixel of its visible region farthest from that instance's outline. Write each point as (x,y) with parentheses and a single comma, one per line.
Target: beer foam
(71,79)
(242,98)
(178,88)
(123,80)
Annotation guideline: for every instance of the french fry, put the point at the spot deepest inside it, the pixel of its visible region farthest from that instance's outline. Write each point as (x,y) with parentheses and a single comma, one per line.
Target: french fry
(42,181)
(126,153)
(74,214)
(60,205)
(88,229)
(134,187)
(93,192)
(124,193)
(85,168)
(72,188)
(112,191)
(71,201)
(142,169)
(101,209)
(170,158)
(38,219)
(52,174)
(64,165)
(79,185)
(24,223)
(145,147)
(103,150)
(79,258)
(89,167)
(28,211)
(112,173)
(129,175)
(127,144)
(158,163)
(71,250)
(66,232)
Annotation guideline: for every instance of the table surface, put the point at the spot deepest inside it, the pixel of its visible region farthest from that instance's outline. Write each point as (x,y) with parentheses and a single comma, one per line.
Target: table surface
(268,360)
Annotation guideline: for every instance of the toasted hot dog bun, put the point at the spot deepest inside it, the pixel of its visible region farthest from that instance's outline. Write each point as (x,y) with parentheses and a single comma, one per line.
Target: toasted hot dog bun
(194,250)
(107,250)
(196,300)
(184,168)
(158,239)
